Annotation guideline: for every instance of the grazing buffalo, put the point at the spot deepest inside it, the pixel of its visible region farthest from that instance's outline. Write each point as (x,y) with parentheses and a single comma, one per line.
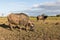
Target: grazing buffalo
(19,19)
(41,17)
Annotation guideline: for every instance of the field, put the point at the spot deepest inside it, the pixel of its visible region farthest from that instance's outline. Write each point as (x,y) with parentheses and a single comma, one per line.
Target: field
(48,30)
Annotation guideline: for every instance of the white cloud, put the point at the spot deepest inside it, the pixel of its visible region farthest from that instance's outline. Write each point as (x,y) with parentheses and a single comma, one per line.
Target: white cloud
(36,5)
(50,8)
(58,0)
(6,8)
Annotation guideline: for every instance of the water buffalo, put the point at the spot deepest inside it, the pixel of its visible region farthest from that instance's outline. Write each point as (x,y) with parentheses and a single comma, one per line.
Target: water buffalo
(41,17)
(19,19)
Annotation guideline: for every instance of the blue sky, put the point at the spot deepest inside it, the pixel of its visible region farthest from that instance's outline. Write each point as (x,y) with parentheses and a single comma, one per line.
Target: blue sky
(30,7)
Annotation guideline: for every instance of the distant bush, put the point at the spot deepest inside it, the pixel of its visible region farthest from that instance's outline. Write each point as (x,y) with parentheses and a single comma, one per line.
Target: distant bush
(32,16)
(58,15)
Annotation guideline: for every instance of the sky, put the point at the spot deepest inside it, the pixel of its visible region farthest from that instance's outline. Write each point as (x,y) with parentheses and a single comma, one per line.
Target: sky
(30,7)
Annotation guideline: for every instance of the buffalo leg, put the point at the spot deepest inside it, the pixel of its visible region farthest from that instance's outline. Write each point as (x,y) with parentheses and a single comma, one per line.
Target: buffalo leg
(27,28)
(11,27)
(19,27)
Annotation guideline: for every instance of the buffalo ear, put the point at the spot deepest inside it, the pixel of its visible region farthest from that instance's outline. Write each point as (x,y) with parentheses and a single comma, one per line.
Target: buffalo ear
(28,24)
(33,23)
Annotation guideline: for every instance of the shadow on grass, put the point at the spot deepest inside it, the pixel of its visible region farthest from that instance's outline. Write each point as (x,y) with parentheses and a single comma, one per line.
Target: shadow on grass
(4,26)
(8,27)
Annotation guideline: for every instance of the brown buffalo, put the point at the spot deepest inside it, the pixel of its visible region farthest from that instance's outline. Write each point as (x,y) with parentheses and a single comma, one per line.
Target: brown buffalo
(41,17)
(19,19)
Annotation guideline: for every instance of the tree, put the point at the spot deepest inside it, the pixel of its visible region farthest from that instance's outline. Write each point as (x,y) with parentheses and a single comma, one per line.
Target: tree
(58,15)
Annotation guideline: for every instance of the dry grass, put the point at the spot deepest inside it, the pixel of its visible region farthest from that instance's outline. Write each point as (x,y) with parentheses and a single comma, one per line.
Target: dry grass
(42,31)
